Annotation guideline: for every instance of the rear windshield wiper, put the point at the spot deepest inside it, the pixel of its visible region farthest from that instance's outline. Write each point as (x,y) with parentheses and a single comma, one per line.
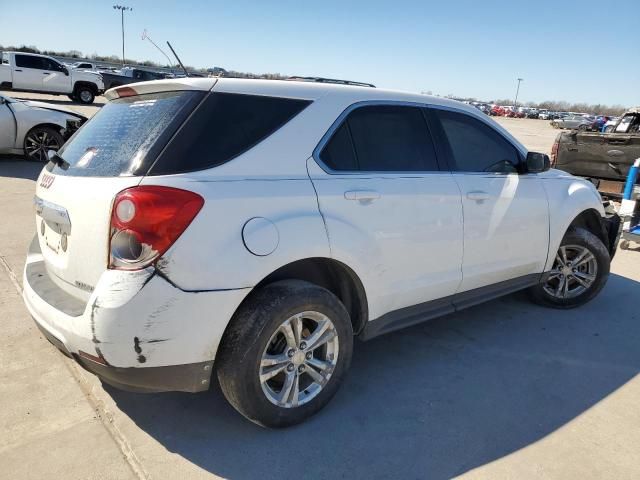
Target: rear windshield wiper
(59,161)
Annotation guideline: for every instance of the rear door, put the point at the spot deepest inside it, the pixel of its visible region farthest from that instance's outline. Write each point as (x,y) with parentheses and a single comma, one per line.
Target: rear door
(390,211)
(506,218)
(599,155)
(111,152)
(28,72)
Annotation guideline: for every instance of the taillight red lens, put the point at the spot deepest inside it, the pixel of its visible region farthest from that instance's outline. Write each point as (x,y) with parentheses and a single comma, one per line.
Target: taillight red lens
(146,221)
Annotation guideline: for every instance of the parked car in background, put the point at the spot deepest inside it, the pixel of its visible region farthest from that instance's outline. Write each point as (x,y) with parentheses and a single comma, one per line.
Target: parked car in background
(533,113)
(130,75)
(497,111)
(33,128)
(28,72)
(572,122)
(605,157)
(142,225)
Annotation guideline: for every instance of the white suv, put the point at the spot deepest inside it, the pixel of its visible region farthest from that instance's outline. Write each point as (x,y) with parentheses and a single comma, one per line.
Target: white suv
(251,228)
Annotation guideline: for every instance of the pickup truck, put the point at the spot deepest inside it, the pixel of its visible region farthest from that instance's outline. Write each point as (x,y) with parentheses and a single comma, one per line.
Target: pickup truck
(28,72)
(129,75)
(604,157)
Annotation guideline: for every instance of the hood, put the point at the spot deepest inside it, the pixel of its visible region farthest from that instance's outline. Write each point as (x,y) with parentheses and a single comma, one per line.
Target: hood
(48,106)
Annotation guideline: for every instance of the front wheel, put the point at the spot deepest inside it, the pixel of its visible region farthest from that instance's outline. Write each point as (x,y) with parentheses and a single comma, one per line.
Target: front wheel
(39,141)
(85,95)
(580,270)
(285,353)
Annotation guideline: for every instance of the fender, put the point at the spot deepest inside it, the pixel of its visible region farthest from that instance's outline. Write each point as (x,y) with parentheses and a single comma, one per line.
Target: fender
(568,197)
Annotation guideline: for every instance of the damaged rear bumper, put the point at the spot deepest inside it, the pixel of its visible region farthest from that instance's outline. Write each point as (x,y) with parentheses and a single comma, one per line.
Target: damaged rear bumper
(137,331)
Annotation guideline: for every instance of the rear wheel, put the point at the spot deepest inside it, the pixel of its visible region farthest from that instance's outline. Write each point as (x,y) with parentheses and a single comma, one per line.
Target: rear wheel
(285,353)
(39,141)
(582,128)
(580,270)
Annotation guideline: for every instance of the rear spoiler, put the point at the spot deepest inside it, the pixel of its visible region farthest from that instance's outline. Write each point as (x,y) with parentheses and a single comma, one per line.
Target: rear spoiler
(155,86)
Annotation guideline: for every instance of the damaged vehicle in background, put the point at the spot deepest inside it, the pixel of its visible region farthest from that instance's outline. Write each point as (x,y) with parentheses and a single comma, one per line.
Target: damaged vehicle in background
(33,128)
(579,122)
(603,157)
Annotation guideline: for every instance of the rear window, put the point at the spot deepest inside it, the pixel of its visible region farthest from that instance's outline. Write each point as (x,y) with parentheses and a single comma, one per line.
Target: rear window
(126,135)
(223,127)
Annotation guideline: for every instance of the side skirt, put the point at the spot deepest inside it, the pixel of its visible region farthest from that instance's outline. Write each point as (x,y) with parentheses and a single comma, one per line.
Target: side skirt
(405,317)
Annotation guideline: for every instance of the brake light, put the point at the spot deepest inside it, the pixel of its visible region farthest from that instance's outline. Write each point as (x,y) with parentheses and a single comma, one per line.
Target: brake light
(554,151)
(146,221)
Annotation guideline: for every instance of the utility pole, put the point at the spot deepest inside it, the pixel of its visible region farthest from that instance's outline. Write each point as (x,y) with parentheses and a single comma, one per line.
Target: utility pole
(122,9)
(515,106)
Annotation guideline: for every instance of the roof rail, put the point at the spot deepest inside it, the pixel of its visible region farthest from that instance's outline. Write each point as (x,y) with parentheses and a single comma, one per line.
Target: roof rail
(330,80)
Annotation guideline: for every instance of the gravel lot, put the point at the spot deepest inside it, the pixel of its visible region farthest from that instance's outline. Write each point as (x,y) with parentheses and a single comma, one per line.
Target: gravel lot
(502,390)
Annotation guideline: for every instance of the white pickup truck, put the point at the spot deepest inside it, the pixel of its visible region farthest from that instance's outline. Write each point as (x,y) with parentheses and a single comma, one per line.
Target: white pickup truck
(29,72)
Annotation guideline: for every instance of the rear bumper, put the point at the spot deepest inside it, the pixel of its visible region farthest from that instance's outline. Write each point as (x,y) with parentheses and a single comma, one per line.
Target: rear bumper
(137,331)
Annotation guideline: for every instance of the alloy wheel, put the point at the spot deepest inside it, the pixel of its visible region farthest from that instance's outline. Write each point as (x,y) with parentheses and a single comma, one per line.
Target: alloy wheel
(299,359)
(574,271)
(38,143)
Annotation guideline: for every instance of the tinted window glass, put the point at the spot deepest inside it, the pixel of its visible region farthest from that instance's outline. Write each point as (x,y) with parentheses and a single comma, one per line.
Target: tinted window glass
(223,127)
(392,138)
(125,136)
(475,146)
(339,154)
(28,61)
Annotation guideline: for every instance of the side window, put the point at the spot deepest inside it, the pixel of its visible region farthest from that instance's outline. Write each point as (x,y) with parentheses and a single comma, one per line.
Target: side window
(475,146)
(223,127)
(382,138)
(28,61)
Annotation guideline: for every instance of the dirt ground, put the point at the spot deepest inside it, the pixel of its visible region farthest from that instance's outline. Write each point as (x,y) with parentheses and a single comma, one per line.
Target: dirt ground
(504,390)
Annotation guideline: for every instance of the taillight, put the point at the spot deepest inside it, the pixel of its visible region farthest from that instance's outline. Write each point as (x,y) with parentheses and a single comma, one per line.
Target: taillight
(554,151)
(146,221)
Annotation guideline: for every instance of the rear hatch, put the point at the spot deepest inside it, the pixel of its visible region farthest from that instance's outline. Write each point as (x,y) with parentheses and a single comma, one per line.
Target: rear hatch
(75,191)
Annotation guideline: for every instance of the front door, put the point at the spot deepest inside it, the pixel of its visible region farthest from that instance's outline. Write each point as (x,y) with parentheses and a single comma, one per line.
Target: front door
(390,212)
(506,217)
(55,77)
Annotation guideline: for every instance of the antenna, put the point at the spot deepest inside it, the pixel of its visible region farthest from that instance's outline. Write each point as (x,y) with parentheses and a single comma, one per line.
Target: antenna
(178,58)
(145,36)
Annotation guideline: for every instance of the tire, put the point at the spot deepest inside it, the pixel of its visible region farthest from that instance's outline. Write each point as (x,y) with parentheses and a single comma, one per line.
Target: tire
(38,141)
(255,331)
(593,271)
(84,94)
(582,128)
(554,125)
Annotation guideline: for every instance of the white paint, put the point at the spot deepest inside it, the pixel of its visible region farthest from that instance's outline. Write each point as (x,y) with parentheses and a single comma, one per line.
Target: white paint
(260,236)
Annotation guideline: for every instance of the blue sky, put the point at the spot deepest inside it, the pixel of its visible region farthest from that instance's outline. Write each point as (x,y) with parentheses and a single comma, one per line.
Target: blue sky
(579,51)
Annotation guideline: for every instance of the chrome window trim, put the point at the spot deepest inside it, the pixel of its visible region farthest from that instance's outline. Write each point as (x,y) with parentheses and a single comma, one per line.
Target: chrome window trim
(365,103)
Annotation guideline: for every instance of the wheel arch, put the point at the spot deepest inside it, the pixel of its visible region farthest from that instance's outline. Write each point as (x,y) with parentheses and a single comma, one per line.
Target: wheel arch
(328,273)
(84,83)
(23,138)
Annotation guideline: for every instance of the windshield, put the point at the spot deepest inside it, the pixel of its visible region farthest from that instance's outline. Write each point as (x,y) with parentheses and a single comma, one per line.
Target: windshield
(125,136)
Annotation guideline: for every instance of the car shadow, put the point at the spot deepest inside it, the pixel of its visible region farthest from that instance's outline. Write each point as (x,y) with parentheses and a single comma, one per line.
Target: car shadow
(432,401)
(12,166)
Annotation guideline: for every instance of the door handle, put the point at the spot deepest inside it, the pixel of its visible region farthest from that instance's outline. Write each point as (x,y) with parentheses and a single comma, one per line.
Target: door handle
(46,73)
(477,196)
(16,70)
(362,195)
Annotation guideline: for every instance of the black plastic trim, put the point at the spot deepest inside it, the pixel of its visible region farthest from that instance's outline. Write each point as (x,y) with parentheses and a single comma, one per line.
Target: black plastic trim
(422,312)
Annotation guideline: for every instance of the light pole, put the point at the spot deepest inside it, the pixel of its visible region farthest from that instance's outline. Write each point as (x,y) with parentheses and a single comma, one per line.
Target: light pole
(515,106)
(122,9)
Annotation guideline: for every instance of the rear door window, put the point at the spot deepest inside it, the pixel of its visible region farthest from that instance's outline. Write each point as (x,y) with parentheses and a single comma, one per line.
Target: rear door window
(382,138)
(126,135)
(223,127)
(29,61)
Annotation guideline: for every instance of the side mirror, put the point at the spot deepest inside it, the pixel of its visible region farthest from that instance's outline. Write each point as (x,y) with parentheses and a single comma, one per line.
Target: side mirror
(537,162)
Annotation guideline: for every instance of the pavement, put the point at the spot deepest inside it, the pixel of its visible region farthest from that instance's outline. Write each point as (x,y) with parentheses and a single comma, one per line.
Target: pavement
(504,390)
